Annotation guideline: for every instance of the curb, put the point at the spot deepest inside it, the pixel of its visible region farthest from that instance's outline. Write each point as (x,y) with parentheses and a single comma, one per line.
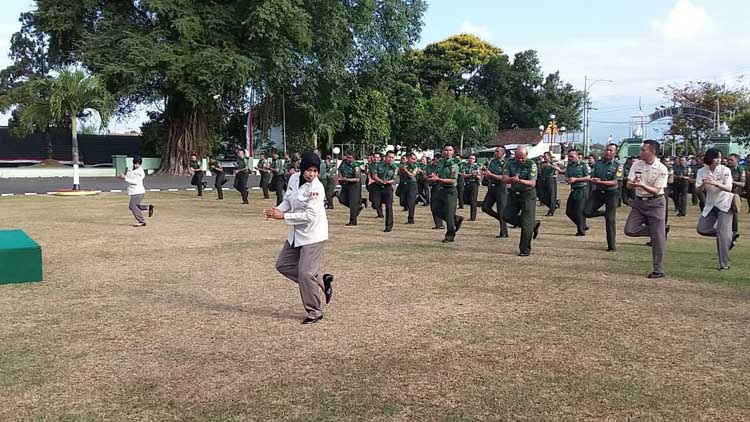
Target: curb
(117,191)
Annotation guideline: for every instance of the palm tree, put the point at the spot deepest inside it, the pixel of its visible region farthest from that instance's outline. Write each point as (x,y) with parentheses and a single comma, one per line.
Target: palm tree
(62,101)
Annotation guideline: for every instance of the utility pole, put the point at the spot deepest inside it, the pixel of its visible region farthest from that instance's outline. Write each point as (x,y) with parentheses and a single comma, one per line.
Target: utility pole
(585,117)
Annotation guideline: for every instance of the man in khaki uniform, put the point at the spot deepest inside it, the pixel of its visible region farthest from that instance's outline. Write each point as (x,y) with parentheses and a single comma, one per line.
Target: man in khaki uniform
(649,178)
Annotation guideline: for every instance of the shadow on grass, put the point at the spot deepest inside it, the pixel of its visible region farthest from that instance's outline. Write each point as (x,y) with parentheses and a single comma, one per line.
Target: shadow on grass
(693,261)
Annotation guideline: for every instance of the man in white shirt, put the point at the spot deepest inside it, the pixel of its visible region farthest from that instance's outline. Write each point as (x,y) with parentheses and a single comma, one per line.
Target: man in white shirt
(716,218)
(136,190)
(649,177)
(303,210)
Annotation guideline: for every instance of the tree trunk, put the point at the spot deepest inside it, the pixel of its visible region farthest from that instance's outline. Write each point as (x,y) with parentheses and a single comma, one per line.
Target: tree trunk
(74,139)
(188,134)
(315,140)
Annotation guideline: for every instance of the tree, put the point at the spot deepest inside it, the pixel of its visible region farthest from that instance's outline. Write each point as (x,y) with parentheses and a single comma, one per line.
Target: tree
(695,130)
(739,126)
(368,117)
(454,60)
(200,56)
(61,101)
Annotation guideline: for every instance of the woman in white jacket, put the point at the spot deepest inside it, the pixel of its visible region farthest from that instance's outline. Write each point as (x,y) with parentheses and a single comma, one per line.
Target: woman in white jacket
(303,210)
(134,179)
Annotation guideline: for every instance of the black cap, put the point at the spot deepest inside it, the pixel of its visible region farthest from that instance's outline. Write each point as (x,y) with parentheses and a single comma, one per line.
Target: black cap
(310,159)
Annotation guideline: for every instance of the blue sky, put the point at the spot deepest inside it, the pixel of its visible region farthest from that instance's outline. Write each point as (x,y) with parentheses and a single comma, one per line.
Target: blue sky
(640,45)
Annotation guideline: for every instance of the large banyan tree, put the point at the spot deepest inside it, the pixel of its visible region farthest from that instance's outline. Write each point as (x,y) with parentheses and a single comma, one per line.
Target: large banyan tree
(198,59)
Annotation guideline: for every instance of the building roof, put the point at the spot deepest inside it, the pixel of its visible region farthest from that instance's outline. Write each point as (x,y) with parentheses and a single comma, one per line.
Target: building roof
(516,136)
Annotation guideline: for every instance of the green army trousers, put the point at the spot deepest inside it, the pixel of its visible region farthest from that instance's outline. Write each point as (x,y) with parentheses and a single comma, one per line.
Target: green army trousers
(443,205)
(520,211)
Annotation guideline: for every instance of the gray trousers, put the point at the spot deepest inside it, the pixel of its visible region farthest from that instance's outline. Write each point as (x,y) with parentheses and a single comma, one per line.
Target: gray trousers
(718,224)
(648,218)
(302,266)
(136,207)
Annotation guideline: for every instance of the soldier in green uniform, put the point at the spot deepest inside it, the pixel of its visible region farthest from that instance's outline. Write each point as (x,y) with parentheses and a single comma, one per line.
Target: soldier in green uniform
(520,173)
(625,194)
(264,168)
(328,170)
(385,177)
(410,172)
(577,176)
(423,190)
(277,177)
(470,174)
(605,179)
(372,165)
(351,188)
(240,175)
(738,186)
(434,186)
(681,185)
(444,194)
(548,175)
(197,179)
(497,190)
(459,182)
(669,190)
(220,179)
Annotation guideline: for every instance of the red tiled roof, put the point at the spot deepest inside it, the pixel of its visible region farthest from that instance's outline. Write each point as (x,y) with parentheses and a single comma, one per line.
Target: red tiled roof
(516,136)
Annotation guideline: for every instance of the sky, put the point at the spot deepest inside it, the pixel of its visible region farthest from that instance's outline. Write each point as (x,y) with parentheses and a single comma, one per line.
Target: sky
(639,45)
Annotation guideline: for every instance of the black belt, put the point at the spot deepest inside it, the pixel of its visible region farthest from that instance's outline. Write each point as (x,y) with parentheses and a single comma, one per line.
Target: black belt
(649,198)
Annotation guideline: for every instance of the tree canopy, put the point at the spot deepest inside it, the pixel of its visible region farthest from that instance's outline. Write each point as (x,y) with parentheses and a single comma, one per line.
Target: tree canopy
(346,71)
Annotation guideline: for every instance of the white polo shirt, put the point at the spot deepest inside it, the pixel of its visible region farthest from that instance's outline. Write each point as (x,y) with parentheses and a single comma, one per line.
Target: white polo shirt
(304,212)
(653,175)
(716,197)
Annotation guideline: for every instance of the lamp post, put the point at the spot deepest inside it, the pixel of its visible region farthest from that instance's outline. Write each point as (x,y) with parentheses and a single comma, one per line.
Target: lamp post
(586,89)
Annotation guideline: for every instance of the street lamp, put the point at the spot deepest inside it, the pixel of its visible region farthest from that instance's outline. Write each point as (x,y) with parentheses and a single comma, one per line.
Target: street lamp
(586,88)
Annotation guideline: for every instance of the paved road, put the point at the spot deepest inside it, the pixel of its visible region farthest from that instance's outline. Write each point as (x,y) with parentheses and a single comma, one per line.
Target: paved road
(39,185)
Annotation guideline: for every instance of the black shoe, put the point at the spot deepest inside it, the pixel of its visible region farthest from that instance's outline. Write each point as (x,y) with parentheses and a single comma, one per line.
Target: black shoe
(204,185)
(501,236)
(388,230)
(734,241)
(459,223)
(557,204)
(536,229)
(150,211)
(139,225)
(447,240)
(351,224)
(586,228)
(656,275)
(410,222)
(524,253)
(723,268)
(380,216)
(549,214)
(648,243)
(361,207)
(311,320)
(581,234)
(327,288)
(611,249)
(438,228)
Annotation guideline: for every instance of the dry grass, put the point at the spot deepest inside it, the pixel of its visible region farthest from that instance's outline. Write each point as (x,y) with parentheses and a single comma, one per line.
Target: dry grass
(187,320)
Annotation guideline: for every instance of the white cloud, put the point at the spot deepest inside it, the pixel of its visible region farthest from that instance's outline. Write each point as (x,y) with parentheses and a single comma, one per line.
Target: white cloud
(480,31)
(683,21)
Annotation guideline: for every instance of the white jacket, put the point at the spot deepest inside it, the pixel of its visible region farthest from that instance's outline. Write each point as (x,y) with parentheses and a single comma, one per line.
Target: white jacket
(134,179)
(304,212)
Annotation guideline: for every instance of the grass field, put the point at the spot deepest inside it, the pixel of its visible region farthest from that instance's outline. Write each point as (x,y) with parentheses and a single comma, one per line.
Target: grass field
(187,320)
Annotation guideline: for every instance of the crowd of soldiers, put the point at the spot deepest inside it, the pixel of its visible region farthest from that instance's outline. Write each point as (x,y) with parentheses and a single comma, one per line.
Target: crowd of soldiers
(514,183)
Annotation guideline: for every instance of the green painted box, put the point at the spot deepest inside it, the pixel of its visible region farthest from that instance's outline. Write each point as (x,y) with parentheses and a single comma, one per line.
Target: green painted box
(20,258)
